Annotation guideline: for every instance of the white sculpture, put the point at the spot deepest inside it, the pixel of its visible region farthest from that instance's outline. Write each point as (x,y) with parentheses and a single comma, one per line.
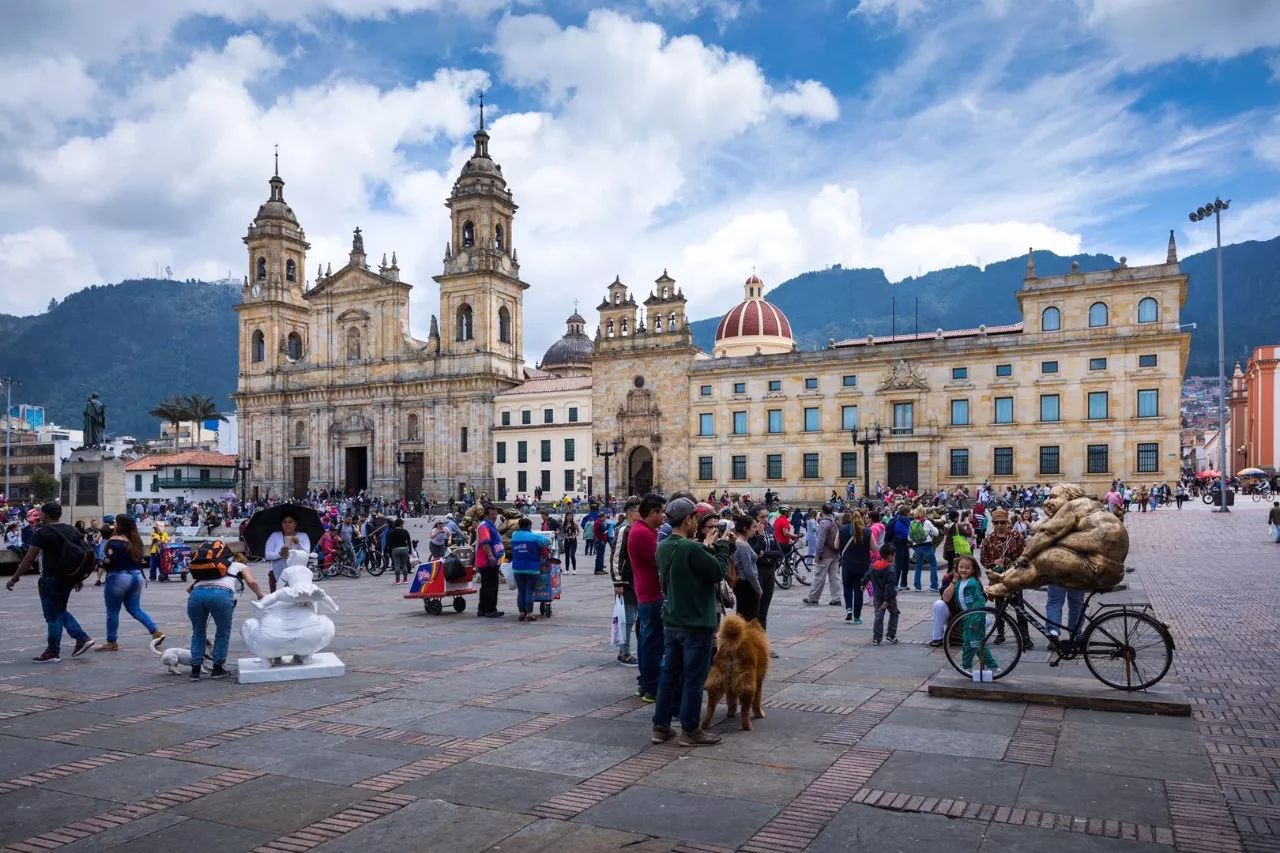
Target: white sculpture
(290,623)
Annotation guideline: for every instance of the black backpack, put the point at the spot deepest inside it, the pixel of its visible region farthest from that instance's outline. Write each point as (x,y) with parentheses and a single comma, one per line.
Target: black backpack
(75,560)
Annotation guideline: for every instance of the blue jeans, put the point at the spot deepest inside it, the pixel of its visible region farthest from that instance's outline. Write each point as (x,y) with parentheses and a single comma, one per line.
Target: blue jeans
(599,550)
(125,588)
(219,603)
(686,659)
(525,582)
(54,595)
(1053,609)
(649,646)
(925,554)
(155,566)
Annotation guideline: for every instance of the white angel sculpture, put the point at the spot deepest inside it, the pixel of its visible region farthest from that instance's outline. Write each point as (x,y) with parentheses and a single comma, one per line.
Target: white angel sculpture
(290,621)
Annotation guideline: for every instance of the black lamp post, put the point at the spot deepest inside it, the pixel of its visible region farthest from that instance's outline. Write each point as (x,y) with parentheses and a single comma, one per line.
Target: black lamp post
(402,460)
(870,436)
(243,467)
(610,450)
(1214,209)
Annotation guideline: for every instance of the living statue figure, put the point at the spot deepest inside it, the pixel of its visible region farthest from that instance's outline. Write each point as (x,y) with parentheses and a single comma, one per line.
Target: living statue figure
(291,623)
(95,421)
(1080,545)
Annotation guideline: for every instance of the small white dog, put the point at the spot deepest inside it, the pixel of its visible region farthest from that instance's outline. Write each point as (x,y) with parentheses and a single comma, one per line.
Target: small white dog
(173,658)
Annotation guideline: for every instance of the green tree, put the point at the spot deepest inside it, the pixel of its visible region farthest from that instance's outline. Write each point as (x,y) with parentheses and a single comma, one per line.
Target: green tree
(173,411)
(44,486)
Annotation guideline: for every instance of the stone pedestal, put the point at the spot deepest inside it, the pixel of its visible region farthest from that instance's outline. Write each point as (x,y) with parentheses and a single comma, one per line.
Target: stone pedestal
(259,670)
(92,485)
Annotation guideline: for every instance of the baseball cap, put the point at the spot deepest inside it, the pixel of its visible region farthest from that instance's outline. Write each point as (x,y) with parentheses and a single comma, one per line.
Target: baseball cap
(679,509)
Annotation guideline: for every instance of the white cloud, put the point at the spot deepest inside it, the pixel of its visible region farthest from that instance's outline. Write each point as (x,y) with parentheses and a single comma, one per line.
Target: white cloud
(722,11)
(1149,32)
(30,259)
(902,10)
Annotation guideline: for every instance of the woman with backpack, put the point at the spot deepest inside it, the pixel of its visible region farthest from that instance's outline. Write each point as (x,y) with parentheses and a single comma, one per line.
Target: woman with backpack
(124,584)
(855,562)
(955,538)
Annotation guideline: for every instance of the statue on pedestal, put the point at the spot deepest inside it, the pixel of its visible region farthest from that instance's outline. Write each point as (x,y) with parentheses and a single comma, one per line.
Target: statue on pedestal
(290,623)
(95,421)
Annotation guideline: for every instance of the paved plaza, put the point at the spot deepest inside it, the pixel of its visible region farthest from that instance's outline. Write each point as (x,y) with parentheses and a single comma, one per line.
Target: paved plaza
(451,733)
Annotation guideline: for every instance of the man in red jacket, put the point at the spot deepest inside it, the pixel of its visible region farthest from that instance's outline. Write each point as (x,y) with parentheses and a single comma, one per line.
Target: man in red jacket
(642,552)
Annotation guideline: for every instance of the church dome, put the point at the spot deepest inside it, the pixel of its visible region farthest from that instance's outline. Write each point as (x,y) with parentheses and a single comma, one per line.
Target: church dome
(753,325)
(275,206)
(572,350)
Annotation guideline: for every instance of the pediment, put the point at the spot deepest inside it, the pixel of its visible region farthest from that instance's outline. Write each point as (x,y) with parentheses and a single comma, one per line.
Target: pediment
(352,280)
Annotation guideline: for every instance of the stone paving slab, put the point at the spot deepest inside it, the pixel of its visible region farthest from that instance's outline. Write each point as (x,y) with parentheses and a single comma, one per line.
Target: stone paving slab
(693,817)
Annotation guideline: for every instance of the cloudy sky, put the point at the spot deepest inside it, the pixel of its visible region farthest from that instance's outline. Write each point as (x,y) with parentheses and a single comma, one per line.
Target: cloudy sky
(707,137)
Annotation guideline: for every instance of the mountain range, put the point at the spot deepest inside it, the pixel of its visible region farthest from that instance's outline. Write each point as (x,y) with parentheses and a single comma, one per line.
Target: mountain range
(140,341)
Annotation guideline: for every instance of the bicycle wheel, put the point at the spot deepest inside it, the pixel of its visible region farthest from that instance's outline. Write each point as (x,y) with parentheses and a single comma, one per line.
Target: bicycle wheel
(373,564)
(782,577)
(331,570)
(1010,652)
(1207,498)
(1127,650)
(803,569)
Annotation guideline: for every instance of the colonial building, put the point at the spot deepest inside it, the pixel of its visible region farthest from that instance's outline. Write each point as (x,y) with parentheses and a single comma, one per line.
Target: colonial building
(1085,388)
(194,475)
(335,393)
(1255,411)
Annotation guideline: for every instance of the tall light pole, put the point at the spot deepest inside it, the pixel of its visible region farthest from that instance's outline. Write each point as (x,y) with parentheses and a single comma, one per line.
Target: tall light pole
(8,430)
(871,435)
(243,467)
(1215,209)
(610,451)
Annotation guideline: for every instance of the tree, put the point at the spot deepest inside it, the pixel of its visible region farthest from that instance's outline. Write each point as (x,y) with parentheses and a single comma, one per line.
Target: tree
(53,303)
(44,486)
(173,411)
(201,408)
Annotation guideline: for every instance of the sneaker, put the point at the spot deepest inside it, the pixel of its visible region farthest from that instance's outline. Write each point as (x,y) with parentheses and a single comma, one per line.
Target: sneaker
(935,644)
(108,647)
(701,737)
(639,694)
(893,641)
(902,589)
(47,657)
(662,734)
(648,700)
(810,603)
(82,646)
(629,660)
(848,616)
(933,589)
(834,603)
(998,641)
(875,642)
(195,673)
(218,671)
(497,614)
(857,621)
(531,618)
(521,619)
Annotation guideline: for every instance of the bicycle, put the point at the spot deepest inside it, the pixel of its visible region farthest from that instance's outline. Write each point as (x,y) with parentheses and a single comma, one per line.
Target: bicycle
(1262,494)
(795,566)
(350,566)
(1110,641)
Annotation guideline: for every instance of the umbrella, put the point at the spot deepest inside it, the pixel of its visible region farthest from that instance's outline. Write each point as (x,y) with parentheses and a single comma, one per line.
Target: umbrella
(1204,474)
(1252,472)
(267,521)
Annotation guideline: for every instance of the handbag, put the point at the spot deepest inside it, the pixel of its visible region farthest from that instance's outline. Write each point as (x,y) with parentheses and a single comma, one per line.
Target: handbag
(510,575)
(618,633)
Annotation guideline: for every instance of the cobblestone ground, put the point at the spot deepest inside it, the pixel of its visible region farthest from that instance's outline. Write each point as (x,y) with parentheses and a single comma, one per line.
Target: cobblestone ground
(455,733)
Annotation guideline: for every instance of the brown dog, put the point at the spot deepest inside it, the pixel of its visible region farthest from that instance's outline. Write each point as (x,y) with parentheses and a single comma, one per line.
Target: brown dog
(738,670)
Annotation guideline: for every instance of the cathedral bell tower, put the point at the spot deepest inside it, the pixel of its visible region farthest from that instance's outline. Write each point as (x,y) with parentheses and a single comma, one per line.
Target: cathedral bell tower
(481,294)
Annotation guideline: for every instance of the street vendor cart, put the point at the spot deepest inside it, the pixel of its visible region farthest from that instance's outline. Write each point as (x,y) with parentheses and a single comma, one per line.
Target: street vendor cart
(547,588)
(432,584)
(175,560)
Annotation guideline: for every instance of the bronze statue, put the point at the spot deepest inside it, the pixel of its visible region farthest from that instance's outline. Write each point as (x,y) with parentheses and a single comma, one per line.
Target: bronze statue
(1080,545)
(95,421)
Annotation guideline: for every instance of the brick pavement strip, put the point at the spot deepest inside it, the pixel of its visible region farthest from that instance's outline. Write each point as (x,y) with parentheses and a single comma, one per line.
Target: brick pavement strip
(337,825)
(615,780)
(1036,739)
(866,717)
(62,771)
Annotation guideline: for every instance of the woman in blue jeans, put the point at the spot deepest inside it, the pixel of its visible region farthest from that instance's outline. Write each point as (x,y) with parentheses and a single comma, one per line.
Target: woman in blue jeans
(526,565)
(213,594)
(124,583)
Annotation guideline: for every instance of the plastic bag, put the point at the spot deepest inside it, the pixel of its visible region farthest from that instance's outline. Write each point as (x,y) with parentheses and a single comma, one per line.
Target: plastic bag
(618,635)
(510,575)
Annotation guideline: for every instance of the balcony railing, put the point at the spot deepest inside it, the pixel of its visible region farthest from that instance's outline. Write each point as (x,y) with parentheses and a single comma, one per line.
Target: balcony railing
(195,483)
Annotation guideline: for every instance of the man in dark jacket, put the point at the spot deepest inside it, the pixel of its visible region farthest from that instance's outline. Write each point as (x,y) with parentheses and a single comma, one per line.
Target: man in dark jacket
(689,572)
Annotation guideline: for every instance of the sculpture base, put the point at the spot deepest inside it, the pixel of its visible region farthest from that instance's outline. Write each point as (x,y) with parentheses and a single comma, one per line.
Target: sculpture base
(260,670)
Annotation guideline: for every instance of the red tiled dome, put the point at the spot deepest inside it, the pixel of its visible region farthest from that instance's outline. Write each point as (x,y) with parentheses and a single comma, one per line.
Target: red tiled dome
(753,316)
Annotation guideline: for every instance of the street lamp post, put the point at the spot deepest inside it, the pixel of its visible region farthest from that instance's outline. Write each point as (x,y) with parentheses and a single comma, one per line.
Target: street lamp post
(871,435)
(1215,209)
(243,467)
(402,460)
(610,450)
(8,429)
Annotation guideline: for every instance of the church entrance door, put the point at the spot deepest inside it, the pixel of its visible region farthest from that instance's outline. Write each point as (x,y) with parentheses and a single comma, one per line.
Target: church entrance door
(640,472)
(301,476)
(357,469)
(904,470)
(413,471)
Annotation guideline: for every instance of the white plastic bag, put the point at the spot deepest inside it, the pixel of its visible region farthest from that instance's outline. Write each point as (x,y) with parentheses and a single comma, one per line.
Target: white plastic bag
(510,575)
(618,636)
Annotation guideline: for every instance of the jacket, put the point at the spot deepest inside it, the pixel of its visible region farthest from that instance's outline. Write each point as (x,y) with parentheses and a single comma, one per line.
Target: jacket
(689,575)
(884,581)
(620,572)
(526,552)
(900,527)
(827,534)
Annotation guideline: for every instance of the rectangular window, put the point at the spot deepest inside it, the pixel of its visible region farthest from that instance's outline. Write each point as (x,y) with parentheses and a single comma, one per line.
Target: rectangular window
(903,418)
(959,412)
(706,424)
(522,481)
(1097,364)
(177,473)
(545,448)
(849,380)
(548,416)
(545,481)
(704,391)
(1049,460)
(739,387)
(739,469)
(462,441)
(568,481)
(848,464)
(1048,367)
(500,452)
(848,418)
(1098,408)
(1004,410)
(739,423)
(773,466)
(522,452)
(775,384)
(959,462)
(573,414)
(812,419)
(570,449)
(775,420)
(1004,370)
(1146,361)
(257,450)
(811,466)
(704,468)
(526,417)
(959,373)
(1148,457)
(506,419)
(1050,409)
(137,482)
(204,473)
(1148,403)
(1003,462)
(811,383)
(1096,459)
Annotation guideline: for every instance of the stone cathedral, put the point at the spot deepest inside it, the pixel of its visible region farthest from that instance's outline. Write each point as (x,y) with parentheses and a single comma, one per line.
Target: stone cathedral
(335,393)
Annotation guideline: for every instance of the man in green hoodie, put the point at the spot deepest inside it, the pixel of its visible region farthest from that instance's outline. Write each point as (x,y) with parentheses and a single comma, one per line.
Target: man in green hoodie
(689,572)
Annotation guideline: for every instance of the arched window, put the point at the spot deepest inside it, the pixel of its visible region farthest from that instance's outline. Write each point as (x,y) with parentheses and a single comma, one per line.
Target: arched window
(671,322)
(657,323)
(608,329)
(262,269)
(353,344)
(499,238)
(1148,311)
(290,271)
(463,321)
(623,327)
(617,298)
(295,346)
(300,433)
(504,325)
(411,427)
(468,233)
(1097,315)
(258,347)
(1051,320)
